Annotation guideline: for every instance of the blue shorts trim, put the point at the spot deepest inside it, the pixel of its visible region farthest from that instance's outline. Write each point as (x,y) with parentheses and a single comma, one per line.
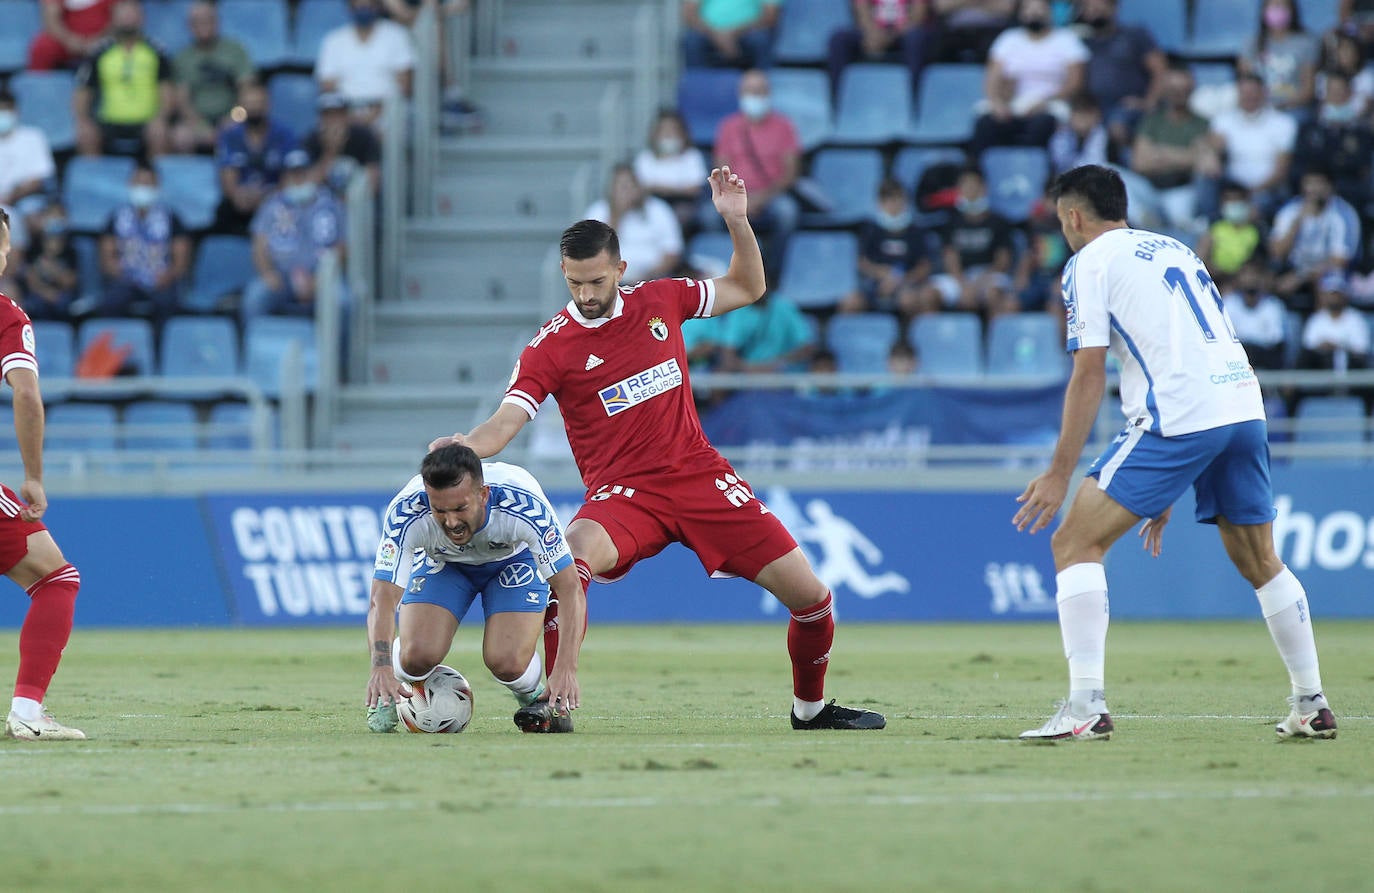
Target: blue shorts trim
(510,586)
(1227,467)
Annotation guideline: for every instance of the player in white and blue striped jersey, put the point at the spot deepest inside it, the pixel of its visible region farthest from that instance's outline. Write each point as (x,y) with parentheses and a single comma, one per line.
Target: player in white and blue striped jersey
(458,530)
(1194,418)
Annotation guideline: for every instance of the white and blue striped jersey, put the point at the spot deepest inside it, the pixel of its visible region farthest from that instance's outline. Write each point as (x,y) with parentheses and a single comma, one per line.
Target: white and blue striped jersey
(519,519)
(1151,302)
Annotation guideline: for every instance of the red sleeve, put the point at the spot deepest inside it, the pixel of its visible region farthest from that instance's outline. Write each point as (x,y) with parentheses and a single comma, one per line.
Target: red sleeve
(695,298)
(535,375)
(16,339)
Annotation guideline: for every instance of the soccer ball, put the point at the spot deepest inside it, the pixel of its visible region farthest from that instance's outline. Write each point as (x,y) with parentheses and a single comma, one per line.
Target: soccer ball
(442,705)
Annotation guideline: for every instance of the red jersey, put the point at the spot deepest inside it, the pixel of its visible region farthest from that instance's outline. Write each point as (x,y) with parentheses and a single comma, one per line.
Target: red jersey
(85,17)
(16,338)
(621,382)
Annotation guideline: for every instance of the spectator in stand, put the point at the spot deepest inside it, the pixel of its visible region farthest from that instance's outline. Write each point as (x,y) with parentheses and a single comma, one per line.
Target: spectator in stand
(1039,269)
(1347,57)
(26,165)
(1256,141)
(339,146)
(1082,139)
(902,359)
(978,252)
(368,62)
(885,31)
(50,278)
(770,335)
(761,145)
(145,253)
(1336,336)
(1125,71)
(1316,233)
(1170,149)
(670,167)
(1340,141)
(208,75)
(1285,57)
(967,28)
(1032,71)
(71,29)
(249,155)
(735,33)
(292,230)
(650,236)
(124,95)
(894,264)
(1257,316)
(1231,241)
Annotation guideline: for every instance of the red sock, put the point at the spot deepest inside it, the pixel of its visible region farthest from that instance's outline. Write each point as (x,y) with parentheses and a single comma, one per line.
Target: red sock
(46,629)
(809,635)
(584,573)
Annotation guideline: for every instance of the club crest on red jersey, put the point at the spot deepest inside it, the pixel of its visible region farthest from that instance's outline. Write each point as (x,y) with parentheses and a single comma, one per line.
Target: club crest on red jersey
(658,328)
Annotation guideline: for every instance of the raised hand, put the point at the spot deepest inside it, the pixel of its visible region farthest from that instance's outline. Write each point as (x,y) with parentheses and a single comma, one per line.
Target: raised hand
(728,193)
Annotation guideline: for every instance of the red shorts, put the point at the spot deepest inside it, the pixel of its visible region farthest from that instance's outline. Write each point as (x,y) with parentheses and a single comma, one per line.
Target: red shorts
(14,530)
(710,510)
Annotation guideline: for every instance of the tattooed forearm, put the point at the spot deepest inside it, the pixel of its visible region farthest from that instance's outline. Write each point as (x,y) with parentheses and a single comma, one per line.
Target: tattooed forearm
(381,654)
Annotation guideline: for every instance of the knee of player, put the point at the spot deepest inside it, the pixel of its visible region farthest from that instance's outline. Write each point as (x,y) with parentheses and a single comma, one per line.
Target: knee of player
(506,667)
(416,662)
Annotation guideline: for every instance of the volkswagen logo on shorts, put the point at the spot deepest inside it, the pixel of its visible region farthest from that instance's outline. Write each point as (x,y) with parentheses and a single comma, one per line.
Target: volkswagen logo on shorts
(515,576)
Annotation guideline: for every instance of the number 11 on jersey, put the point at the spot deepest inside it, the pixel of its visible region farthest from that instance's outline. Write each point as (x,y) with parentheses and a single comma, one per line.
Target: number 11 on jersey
(1177,280)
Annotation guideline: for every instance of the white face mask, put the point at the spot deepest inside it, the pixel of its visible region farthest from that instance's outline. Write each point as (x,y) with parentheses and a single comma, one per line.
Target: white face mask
(754,106)
(300,193)
(669,145)
(8,119)
(141,196)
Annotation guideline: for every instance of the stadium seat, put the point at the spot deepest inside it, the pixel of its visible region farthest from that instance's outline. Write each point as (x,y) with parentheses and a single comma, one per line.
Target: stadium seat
(55,346)
(1222,28)
(705,97)
(261,26)
(190,185)
(80,427)
(1330,420)
(134,333)
(199,347)
(715,248)
(820,268)
(45,102)
(947,103)
(88,265)
(292,100)
(1167,20)
(22,21)
(1027,345)
(804,31)
(231,427)
(1016,178)
(874,105)
(164,21)
(8,442)
(849,178)
(912,161)
(159,425)
(315,19)
(861,341)
(266,341)
(1213,74)
(948,344)
(92,188)
(803,95)
(224,265)
(1318,16)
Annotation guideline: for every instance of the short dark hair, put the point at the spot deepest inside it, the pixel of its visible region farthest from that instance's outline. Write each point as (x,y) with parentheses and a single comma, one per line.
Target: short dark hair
(1098,187)
(7,96)
(449,465)
(143,166)
(891,187)
(586,239)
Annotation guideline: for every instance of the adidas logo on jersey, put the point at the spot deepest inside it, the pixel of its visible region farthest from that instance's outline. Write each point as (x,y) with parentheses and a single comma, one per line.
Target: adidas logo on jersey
(593,361)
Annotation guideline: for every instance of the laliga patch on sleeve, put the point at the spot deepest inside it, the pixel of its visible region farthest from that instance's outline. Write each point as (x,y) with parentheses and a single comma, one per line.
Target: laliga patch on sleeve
(27,336)
(387,554)
(551,537)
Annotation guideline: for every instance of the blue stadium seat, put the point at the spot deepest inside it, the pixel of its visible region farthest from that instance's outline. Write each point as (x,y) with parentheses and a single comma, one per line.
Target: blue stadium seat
(1213,74)
(266,341)
(946,105)
(874,105)
(199,347)
(705,97)
(804,31)
(55,346)
(164,21)
(8,442)
(912,161)
(803,95)
(849,178)
(80,427)
(1167,20)
(160,425)
(224,265)
(1330,420)
(236,420)
(1222,28)
(261,26)
(1318,16)
(948,344)
(862,341)
(134,333)
(1028,345)
(88,265)
(713,247)
(92,188)
(1292,338)
(315,19)
(190,185)
(1016,179)
(22,21)
(820,268)
(45,102)
(292,98)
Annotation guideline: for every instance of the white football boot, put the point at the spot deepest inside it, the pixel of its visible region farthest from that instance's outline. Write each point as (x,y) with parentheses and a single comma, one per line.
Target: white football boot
(44,728)
(1065,726)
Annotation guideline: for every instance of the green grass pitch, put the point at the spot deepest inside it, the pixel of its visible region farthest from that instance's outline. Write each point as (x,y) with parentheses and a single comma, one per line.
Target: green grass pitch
(240,760)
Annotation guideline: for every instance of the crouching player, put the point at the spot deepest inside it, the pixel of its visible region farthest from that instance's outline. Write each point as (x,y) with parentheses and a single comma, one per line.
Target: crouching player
(459,529)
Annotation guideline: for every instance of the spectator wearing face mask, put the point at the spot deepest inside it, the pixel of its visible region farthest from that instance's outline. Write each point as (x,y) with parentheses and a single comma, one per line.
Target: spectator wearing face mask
(50,277)
(978,252)
(1125,72)
(670,167)
(368,62)
(1257,316)
(1284,55)
(1340,141)
(249,155)
(893,261)
(124,96)
(1336,336)
(145,253)
(1233,239)
(26,163)
(292,230)
(1314,234)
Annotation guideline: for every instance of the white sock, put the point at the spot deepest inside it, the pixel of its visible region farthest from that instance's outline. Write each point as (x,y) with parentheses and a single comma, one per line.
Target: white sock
(1081,593)
(1284,604)
(27,709)
(396,666)
(806,710)
(526,686)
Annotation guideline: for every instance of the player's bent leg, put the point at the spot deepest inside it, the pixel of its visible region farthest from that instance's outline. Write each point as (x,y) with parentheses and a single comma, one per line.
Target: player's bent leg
(52,585)
(1092,524)
(426,634)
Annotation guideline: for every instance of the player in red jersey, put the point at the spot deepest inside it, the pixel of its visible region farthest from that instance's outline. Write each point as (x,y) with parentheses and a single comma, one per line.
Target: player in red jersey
(615,362)
(28,555)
